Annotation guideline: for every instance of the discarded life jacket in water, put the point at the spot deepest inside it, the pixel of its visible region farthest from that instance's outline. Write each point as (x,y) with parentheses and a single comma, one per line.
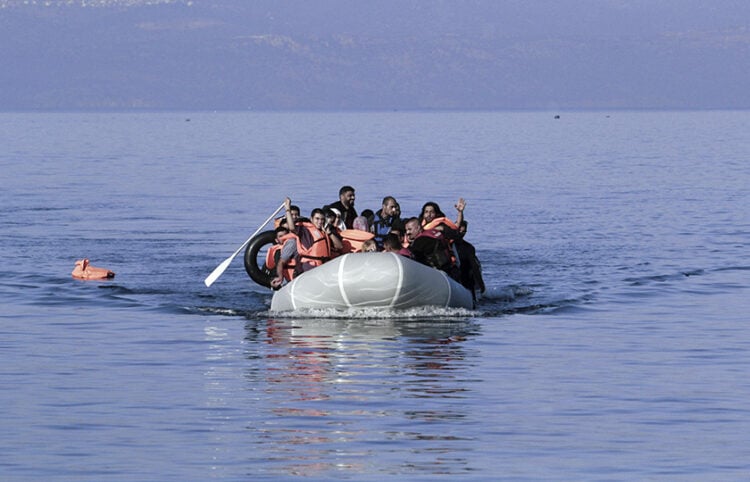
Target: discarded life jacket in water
(84,270)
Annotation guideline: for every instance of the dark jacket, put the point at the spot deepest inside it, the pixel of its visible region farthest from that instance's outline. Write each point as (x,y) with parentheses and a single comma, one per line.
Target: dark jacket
(431,248)
(347,215)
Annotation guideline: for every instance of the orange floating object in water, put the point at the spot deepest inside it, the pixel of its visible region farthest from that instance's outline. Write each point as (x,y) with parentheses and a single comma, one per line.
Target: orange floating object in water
(84,270)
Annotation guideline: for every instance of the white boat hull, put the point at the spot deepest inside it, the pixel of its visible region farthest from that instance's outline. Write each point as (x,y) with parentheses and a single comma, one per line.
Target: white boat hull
(371,280)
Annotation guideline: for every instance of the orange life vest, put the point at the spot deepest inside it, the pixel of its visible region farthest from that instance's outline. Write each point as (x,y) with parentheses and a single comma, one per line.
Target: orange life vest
(353,239)
(84,270)
(437,222)
(271,257)
(437,254)
(318,253)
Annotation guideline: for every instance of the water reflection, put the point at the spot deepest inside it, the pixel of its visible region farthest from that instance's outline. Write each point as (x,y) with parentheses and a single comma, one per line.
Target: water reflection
(352,395)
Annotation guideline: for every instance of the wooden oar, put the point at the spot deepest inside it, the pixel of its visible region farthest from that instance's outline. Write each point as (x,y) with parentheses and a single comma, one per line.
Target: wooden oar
(219,270)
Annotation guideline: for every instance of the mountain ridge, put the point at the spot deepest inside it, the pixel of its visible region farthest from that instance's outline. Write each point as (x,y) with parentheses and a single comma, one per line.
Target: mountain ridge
(226,55)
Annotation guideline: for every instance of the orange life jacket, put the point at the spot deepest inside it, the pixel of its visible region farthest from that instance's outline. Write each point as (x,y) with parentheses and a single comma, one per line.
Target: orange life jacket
(84,270)
(271,258)
(438,254)
(437,222)
(353,239)
(318,253)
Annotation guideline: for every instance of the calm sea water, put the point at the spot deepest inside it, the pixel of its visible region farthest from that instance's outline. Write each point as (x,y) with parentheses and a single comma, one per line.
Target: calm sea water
(614,342)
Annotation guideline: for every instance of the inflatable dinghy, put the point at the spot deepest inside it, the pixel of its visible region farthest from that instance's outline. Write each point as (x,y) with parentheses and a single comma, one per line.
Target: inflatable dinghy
(371,280)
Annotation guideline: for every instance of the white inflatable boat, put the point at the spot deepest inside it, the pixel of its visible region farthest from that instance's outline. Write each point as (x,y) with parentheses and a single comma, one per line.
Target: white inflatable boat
(371,280)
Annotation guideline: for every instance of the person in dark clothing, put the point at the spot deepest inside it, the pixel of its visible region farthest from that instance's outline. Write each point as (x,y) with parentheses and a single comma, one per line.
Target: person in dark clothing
(469,265)
(345,206)
(386,220)
(430,247)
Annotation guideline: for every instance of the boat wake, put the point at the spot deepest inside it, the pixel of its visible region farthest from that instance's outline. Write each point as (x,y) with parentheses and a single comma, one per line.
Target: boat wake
(422,312)
(505,293)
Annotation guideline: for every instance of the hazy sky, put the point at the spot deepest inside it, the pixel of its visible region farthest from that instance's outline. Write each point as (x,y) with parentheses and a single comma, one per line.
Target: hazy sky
(350,54)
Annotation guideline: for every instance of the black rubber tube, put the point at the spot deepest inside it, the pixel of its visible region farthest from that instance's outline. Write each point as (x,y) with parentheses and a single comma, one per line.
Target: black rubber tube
(259,273)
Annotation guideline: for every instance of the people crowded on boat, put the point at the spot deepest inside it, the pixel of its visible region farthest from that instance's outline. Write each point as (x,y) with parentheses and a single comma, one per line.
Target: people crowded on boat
(469,272)
(306,245)
(431,247)
(432,239)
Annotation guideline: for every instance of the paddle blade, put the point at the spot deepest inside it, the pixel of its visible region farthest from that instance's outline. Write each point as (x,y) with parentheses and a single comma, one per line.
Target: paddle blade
(218,271)
(223,266)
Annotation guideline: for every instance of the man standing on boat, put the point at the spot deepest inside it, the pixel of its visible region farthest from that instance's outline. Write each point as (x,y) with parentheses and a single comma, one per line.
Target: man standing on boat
(345,205)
